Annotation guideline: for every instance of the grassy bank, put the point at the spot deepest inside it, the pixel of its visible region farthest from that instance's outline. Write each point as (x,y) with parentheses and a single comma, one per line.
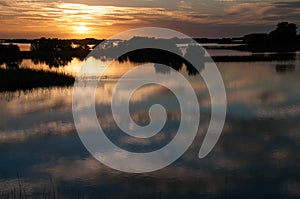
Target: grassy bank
(26,79)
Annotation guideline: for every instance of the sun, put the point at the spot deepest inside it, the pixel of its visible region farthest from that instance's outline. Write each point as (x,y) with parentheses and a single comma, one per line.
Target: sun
(81,29)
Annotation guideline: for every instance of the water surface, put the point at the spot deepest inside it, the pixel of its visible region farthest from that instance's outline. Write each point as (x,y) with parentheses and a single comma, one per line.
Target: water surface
(255,157)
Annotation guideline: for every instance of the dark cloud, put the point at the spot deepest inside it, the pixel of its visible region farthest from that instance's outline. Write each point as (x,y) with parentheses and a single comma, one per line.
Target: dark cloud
(3,4)
(292,4)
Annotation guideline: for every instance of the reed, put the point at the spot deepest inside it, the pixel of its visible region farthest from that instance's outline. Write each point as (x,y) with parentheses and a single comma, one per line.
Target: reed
(27,79)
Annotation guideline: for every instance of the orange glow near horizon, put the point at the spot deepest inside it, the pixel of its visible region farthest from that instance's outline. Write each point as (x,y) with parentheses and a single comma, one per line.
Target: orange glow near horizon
(66,19)
(35,19)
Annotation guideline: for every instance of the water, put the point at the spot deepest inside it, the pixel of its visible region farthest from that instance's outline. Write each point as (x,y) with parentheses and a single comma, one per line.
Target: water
(22,46)
(212,49)
(255,157)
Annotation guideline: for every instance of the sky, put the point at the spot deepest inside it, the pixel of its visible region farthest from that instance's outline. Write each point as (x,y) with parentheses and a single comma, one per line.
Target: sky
(104,18)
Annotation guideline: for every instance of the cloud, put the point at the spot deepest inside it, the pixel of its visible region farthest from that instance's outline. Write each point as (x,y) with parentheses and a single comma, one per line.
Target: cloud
(262,12)
(286,4)
(46,128)
(66,13)
(60,18)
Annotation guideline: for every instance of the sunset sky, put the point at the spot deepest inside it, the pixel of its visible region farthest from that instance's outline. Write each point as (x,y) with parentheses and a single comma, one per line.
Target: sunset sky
(101,19)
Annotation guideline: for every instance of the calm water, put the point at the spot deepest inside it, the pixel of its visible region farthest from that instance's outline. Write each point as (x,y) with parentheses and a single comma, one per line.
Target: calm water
(255,157)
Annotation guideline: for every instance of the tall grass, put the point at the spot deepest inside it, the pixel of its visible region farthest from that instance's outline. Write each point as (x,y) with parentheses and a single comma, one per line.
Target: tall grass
(26,79)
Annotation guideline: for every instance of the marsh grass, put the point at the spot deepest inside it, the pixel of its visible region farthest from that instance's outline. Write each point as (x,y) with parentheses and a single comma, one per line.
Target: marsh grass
(27,79)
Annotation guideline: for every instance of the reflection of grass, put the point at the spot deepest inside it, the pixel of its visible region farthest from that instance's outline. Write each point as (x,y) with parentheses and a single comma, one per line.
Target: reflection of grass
(48,192)
(19,192)
(25,79)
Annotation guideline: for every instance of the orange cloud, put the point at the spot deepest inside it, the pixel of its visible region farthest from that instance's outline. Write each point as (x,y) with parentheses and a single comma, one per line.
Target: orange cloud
(60,19)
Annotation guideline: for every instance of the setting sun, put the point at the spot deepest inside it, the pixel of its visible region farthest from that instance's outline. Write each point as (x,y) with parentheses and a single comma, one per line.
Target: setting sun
(81,29)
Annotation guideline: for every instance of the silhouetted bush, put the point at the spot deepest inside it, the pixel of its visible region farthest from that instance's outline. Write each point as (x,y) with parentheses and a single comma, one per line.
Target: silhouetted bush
(10,55)
(50,45)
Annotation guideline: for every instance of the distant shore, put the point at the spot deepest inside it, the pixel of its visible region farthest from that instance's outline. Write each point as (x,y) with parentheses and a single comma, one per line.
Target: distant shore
(280,44)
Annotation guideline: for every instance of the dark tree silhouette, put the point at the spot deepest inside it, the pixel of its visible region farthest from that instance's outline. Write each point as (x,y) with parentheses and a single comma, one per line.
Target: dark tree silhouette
(285,32)
(283,38)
